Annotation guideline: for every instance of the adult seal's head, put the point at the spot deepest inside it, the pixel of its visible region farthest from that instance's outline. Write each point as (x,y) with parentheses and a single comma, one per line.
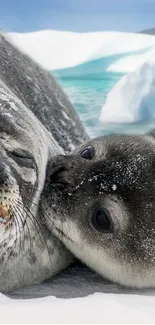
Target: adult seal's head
(37,121)
(28,253)
(104,199)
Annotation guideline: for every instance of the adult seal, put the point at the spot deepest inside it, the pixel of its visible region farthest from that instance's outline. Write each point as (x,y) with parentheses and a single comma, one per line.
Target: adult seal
(36,122)
(103,196)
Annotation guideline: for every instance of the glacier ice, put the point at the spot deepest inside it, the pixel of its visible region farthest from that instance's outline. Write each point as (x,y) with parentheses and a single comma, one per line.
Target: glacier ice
(132,99)
(61,49)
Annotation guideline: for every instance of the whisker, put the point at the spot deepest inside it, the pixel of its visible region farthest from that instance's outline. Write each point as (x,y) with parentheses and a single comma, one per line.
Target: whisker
(40,228)
(19,214)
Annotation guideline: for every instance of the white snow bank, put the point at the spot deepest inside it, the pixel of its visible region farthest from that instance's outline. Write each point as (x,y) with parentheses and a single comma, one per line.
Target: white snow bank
(132,99)
(97,308)
(60,49)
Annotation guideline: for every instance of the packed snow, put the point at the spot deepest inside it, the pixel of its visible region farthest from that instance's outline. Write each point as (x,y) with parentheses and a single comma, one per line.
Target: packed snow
(61,49)
(97,308)
(132,100)
(88,299)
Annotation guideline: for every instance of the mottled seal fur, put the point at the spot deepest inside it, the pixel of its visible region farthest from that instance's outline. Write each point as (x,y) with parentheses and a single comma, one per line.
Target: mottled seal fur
(103,197)
(37,121)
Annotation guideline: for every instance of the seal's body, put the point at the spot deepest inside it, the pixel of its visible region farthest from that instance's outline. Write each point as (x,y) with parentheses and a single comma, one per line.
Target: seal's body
(33,110)
(40,92)
(104,199)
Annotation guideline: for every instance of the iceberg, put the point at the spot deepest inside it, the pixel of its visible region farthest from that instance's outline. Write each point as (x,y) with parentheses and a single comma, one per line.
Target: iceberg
(132,99)
(61,49)
(130,62)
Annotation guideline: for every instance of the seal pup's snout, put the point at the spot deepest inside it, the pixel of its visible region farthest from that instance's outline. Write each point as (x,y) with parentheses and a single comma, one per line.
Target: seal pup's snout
(63,170)
(57,175)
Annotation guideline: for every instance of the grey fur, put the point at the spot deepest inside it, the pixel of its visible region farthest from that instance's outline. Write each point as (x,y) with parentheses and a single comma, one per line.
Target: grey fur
(120,178)
(40,92)
(33,128)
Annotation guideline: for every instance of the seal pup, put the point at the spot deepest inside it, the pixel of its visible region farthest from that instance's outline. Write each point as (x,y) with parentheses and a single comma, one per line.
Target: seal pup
(103,198)
(29,253)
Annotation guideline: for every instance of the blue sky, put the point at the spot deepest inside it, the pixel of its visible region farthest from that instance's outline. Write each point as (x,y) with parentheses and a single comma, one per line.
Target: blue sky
(77,15)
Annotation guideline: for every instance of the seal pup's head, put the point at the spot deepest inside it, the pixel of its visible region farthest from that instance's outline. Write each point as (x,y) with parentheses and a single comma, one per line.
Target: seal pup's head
(103,198)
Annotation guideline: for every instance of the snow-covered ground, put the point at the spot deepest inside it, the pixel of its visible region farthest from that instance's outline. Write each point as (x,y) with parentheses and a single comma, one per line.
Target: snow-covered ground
(132,100)
(60,49)
(89,299)
(97,309)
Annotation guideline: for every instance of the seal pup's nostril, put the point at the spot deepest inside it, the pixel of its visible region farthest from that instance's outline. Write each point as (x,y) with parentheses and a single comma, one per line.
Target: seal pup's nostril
(57,175)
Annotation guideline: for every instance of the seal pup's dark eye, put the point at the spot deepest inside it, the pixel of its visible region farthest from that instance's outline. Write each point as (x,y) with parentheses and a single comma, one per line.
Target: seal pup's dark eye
(101,221)
(88,153)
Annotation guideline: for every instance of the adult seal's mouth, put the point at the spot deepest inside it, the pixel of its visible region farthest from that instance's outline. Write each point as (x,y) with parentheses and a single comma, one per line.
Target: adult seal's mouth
(6,215)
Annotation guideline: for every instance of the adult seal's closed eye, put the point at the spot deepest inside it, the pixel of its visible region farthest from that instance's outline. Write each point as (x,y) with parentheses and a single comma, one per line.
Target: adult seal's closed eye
(31,103)
(104,199)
